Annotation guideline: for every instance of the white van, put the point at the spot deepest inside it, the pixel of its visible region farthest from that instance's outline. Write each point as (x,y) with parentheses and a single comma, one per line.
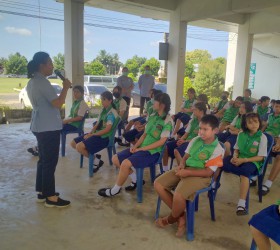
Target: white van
(108,81)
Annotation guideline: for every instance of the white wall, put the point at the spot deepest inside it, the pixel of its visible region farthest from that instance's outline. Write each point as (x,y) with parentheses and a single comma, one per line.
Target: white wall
(267,81)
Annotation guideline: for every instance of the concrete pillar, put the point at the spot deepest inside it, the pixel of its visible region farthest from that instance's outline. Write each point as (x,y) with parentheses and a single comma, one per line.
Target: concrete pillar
(74,46)
(176,59)
(238,67)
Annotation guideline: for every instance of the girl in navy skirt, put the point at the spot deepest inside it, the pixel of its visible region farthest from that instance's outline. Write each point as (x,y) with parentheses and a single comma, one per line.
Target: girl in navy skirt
(265,225)
(98,138)
(147,149)
(249,152)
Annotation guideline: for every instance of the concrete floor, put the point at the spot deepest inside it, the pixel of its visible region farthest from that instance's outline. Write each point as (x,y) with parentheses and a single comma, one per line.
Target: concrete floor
(92,222)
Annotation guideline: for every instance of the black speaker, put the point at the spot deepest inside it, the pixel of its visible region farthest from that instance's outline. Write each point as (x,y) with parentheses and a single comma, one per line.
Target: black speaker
(163,51)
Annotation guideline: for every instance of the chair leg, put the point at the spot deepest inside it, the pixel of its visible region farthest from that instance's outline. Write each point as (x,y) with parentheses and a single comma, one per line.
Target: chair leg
(248,200)
(190,220)
(211,204)
(260,182)
(90,164)
(81,161)
(139,173)
(153,173)
(196,201)
(215,190)
(171,163)
(158,208)
(253,245)
(63,143)
(110,149)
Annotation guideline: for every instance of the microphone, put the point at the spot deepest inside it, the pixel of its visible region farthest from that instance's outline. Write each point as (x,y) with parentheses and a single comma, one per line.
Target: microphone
(58,73)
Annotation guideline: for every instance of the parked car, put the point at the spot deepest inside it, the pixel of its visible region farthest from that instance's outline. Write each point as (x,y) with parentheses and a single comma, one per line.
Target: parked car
(135,95)
(24,100)
(107,81)
(93,92)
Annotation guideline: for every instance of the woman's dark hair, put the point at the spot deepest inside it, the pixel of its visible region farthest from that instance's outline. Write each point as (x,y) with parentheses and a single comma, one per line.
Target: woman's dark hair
(155,92)
(38,58)
(211,120)
(201,106)
(118,88)
(79,88)
(109,96)
(164,98)
(247,117)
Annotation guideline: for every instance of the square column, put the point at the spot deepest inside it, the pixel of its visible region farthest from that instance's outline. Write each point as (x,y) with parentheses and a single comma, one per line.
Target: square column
(176,60)
(74,46)
(238,67)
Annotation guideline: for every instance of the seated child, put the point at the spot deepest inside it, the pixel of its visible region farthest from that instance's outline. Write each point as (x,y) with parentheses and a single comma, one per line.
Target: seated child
(265,225)
(203,156)
(98,138)
(249,152)
(191,131)
(228,113)
(184,115)
(220,105)
(78,110)
(263,108)
(273,128)
(147,149)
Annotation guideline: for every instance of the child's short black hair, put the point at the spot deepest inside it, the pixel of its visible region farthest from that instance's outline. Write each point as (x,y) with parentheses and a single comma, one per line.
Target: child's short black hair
(79,88)
(226,93)
(201,106)
(248,117)
(277,102)
(156,92)
(264,99)
(248,106)
(211,120)
(249,91)
(239,98)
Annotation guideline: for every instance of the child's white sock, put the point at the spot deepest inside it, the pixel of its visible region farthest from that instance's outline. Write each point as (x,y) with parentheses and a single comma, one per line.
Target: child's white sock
(165,168)
(133,175)
(114,190)
(241,203)
(268,183)
(254,178)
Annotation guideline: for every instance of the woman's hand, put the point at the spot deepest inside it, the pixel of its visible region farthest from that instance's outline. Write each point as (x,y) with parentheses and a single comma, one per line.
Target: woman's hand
(66,84)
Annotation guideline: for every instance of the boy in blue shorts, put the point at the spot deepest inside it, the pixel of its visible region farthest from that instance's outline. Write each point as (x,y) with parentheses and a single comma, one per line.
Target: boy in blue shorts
(203,157)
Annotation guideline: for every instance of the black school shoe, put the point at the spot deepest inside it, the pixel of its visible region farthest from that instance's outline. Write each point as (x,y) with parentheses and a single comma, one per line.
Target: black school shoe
(59,203)
(132,186)
(100,164)
(42,198)
(102,192)
(33,152)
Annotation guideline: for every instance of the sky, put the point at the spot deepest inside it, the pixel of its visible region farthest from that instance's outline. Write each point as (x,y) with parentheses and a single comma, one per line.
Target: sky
(28,35)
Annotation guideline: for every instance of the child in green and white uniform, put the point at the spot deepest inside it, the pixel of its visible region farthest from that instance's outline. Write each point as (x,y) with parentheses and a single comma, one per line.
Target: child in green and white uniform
(222,102)
(263,109)
(202,158)
(147,149)
(249,152)
(229,112)
(77,112)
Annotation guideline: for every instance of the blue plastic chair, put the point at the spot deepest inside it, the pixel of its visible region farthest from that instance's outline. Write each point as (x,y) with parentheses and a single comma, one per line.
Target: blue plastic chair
(253,245)
(110,148)
(140,173)
(79,131)
(192,207)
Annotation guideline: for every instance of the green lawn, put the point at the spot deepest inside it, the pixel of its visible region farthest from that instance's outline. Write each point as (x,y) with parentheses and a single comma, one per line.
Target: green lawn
(7,85)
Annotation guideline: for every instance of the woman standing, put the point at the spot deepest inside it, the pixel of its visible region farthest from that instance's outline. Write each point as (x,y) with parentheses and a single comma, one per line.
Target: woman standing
(46,124)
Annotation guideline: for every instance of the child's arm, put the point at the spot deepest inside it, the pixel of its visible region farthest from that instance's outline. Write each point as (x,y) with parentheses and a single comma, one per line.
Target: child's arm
(240,161)
(139,142)
(75,119)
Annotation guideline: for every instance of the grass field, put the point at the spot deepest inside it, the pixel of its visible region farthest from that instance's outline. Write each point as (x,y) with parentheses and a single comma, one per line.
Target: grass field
(7,85)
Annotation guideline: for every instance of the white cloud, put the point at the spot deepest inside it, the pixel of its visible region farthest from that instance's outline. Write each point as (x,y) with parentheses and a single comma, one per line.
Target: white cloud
(86,32)
(20,31)
(155,43)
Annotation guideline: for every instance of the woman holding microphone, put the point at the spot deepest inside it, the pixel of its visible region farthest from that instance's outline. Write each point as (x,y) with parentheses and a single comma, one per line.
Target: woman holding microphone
(46,124)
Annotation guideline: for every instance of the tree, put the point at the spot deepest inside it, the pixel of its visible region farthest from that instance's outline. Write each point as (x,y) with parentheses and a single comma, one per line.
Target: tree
(95,68)
(187,84)
(58,61)
(154,65)
(189,69)
(134,64)
(210,80)
(16,64)
(111,62)
(198,56)
(2,64)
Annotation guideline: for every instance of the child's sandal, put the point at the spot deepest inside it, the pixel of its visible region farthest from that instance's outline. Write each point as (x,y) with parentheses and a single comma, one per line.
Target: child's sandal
(162,222)
(241,211)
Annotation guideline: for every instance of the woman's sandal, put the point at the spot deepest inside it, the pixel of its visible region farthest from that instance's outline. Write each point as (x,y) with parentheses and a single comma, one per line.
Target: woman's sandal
(241,211)
(162,222)
(181,226)
(266,191)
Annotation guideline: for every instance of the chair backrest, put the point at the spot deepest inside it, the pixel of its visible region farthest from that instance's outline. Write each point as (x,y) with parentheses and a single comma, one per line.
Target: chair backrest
(270,142)
(114,128)
(81,126)
(161,153)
